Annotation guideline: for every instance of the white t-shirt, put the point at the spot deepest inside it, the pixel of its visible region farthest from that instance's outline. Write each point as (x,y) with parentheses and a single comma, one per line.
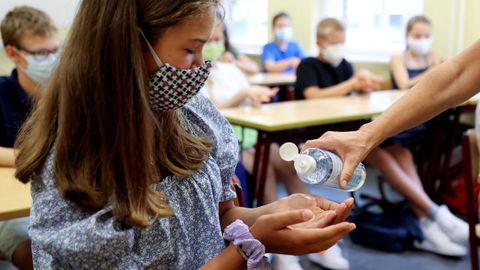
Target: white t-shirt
(225,81)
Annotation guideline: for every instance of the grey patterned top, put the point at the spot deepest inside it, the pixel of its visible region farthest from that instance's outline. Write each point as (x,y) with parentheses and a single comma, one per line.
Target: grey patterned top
(65,237)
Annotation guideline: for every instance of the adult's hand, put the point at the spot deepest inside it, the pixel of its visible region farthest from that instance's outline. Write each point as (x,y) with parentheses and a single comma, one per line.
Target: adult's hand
(351,146)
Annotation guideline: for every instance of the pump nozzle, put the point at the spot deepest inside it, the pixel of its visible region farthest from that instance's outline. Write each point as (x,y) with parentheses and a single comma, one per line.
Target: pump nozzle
(288,151)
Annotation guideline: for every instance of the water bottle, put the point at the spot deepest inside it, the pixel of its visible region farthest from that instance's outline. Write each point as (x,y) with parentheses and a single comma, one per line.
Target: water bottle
(317,166)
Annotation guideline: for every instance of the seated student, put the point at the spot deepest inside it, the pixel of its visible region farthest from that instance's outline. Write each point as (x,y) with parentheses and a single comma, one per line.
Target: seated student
(282,54)
(444,233)
(31,43)
(231,55)
(407,69)
(409,66)
(228,87)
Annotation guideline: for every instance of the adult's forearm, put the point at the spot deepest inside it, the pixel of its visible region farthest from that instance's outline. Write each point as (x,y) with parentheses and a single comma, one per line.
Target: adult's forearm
(443,87)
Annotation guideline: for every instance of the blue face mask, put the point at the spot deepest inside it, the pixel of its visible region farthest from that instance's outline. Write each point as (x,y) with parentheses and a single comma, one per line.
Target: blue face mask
(40,70)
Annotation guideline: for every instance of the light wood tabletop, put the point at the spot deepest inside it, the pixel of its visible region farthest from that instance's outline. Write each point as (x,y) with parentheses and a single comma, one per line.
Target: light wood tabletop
(306,113)
(272,79)
(275,121)
(15,199)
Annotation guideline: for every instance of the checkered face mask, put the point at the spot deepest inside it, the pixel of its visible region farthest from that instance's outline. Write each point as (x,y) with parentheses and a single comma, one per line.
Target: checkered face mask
(171,88)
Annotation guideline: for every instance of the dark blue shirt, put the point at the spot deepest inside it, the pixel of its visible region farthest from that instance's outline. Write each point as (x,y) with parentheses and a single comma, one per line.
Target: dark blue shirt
(15,105)
(412,72)
(313,72)
(272,52)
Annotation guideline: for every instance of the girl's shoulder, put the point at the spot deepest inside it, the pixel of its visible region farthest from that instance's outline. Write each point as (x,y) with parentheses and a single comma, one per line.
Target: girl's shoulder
(202,118)
(398,57)
(201,106)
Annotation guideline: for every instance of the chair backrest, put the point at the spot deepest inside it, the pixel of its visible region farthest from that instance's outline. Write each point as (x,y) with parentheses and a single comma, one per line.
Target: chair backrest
(470,147)
(471,166)
(239,200)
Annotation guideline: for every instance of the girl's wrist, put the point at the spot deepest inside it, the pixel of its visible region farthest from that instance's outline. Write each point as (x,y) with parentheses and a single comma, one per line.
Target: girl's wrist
(251,249)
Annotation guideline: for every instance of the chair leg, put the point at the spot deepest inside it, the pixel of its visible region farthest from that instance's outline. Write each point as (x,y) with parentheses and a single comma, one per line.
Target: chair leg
(474,253)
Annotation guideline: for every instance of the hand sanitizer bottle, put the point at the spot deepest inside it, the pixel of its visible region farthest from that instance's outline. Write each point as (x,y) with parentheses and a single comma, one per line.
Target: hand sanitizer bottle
(317,166)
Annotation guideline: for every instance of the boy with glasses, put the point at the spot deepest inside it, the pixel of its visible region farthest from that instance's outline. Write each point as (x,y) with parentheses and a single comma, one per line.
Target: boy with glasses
(31,42)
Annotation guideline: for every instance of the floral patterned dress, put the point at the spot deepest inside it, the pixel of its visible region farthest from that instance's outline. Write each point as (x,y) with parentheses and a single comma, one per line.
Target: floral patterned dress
(66,237)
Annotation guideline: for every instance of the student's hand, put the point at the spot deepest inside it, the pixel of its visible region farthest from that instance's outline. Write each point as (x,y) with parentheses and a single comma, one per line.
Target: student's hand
(260,94)
(351,146)
(279,234)
(337,212)
(294,62)
(366,81)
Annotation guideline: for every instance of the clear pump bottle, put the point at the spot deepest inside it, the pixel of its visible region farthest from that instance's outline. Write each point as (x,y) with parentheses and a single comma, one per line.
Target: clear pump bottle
(317,166)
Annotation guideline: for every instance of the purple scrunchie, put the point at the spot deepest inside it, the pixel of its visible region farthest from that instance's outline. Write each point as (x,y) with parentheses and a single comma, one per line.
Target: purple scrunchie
(239,233)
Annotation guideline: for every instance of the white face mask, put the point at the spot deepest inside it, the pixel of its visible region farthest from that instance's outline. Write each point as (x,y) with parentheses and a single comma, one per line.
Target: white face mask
(284,33)
(333,54)
(419,46)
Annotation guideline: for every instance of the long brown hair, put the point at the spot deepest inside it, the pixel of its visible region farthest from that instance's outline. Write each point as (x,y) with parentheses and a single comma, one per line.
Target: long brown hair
(108,145)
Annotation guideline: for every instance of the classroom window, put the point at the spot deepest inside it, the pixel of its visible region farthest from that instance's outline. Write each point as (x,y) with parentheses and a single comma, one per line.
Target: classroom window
(375,28)
(247,24)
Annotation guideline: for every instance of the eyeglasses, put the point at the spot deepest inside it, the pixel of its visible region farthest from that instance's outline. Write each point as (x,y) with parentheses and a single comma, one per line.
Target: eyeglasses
(41,54)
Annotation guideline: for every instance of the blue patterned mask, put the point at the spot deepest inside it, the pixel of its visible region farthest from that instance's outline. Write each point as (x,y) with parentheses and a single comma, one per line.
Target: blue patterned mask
(171,87)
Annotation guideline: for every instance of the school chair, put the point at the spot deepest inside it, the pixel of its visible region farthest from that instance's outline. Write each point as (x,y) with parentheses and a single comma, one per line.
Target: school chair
(236,186)
(386,84)
(471,173)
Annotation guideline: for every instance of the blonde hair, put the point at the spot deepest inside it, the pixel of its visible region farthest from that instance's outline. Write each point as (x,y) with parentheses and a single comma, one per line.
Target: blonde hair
(328,26)
(110,147)
(22,21)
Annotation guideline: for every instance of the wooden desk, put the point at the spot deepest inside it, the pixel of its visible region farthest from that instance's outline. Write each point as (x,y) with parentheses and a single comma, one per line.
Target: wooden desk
(289,121)
(272,79)
(15,199)
(306,113)
(285,121)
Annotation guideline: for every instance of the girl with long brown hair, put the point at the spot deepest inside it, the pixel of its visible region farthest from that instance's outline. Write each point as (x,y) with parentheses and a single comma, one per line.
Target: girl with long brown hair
(131,169)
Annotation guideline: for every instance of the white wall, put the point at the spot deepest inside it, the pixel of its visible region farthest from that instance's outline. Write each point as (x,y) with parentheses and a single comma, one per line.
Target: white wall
(61,11)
